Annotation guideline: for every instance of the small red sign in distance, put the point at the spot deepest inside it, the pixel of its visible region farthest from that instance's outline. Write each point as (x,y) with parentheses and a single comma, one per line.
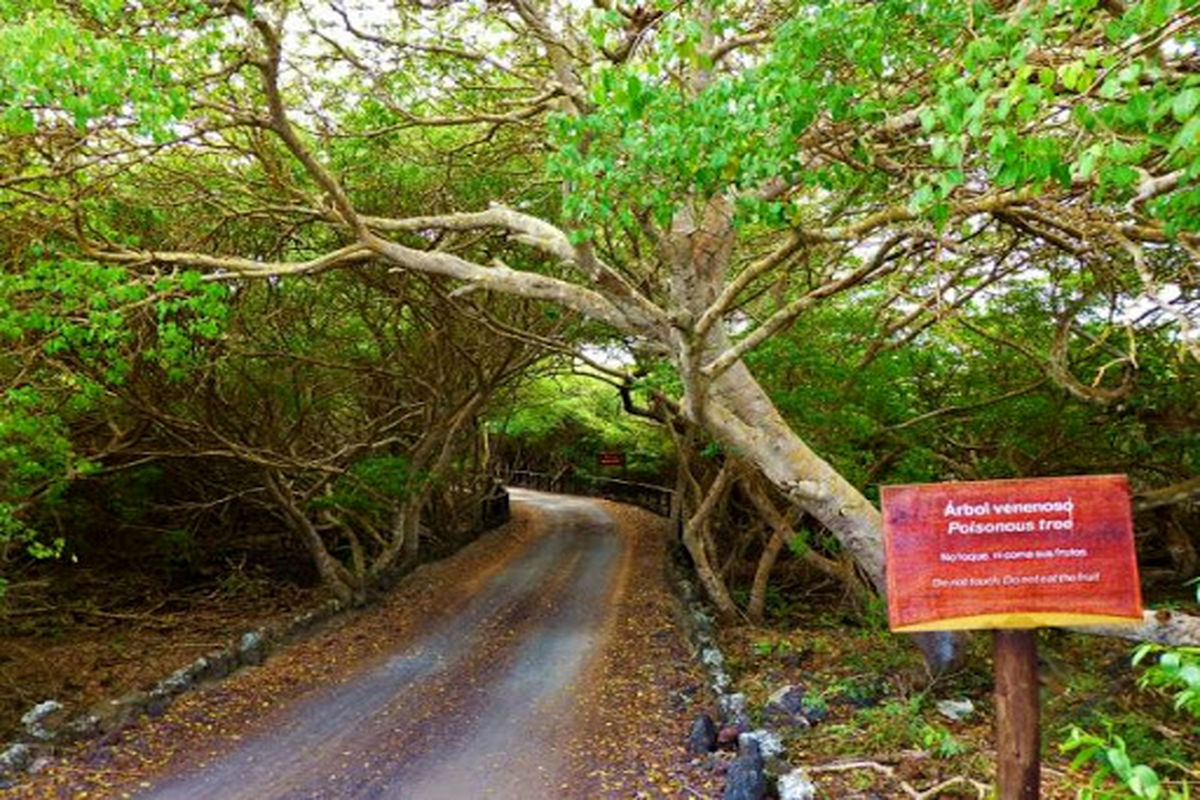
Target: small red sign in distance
(612,459)
(1010,554)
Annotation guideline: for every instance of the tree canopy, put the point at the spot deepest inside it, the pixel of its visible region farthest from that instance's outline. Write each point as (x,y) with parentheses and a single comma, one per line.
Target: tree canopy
(960,206)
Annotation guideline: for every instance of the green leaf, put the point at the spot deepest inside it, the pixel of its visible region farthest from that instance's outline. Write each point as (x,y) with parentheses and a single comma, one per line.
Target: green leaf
(1144,782)
(1184,105)
(1119,760)
(1070,74)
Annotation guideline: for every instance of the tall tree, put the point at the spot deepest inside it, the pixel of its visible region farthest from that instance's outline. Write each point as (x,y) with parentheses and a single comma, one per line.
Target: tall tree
(698,153)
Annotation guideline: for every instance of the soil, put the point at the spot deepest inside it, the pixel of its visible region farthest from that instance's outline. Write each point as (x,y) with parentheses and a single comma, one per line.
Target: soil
(97,643)
(883,737)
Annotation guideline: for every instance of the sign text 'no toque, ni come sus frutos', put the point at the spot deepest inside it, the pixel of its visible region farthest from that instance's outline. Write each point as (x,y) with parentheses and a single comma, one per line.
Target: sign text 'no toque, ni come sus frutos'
(1010,554)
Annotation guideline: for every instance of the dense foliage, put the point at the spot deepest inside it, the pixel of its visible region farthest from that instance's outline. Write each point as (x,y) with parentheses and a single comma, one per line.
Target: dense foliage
(842,244)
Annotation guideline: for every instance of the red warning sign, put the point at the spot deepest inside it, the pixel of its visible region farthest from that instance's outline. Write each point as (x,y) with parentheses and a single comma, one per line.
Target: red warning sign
(1010,554)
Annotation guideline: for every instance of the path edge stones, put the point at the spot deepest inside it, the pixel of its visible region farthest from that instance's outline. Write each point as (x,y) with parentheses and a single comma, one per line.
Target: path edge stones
(759,749)
(48,726)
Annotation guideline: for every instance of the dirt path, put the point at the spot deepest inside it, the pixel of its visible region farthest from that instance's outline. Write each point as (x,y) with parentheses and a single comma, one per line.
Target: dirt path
(483,678)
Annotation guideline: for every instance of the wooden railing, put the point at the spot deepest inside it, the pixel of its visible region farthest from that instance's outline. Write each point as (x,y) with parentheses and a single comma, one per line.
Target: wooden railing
(649,496)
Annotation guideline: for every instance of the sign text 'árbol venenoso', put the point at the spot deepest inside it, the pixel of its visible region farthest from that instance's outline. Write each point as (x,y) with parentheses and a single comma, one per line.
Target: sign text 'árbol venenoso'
(1010,554)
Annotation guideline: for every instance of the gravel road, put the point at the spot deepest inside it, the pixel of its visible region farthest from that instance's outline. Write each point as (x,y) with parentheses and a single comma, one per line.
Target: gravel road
(479,705)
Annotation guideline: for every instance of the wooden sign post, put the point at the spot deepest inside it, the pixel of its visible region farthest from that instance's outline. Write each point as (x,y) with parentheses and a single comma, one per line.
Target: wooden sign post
(1011,556)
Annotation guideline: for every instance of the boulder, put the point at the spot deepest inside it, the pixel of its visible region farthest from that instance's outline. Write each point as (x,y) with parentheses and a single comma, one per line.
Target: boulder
(711,657)
(746,778)
(178,681)
(43,720)
(15,759)
(733,706)
(789,699)
(218,664)
(796,786)
(767,743)
(157,702)
(252,647)
(956,710)
(703,737)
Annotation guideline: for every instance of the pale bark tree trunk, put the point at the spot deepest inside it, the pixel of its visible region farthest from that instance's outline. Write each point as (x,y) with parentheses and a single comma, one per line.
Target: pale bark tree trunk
(743,418)
(739,413)
(697,540)
(335,577)
(756,607)
(736,409)
(781,531)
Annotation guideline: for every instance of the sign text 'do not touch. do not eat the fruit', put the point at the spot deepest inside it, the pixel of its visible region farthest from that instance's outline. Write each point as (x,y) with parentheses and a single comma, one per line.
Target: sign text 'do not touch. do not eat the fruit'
(1010,554)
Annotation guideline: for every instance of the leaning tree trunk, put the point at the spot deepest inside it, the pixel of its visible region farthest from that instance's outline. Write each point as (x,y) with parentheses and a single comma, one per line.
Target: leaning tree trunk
(742,416)
(697,539)
(734,408)
(781,531)
(334,576)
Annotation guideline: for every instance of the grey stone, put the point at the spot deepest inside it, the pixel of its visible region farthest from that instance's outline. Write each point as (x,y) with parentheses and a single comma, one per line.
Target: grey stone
(219,664)
(15,758)
(796,786)
(746,778)
(703,737)
(702,622)
(733,705)
(197,670)
(157,702)
(767,742)
(711,657)
(956,710)
(40,720)
(252,647)
(40,765)
(177,682)
(789,699)
(83,726)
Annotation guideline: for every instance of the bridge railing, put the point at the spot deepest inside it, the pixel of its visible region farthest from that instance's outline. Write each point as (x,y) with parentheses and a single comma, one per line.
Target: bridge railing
(653,498)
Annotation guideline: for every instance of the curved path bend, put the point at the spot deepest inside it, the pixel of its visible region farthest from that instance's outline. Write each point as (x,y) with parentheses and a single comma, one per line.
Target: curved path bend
(480,704)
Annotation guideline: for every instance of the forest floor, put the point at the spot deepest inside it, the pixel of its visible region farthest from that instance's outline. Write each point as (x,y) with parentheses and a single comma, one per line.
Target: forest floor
(881,735)
(540,645)
(102,638)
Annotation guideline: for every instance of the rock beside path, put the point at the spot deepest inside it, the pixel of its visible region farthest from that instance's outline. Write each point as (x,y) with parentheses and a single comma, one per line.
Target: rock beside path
(703,737)
(746,779)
